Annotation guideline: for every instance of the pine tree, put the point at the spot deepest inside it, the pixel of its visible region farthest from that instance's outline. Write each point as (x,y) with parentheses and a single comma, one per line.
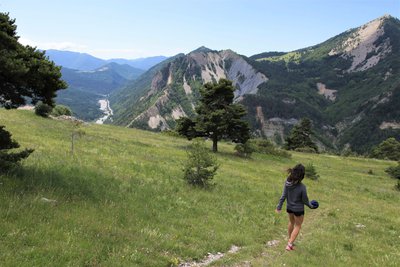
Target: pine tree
(300,136)
(25,72)
(217,116)
(7,159)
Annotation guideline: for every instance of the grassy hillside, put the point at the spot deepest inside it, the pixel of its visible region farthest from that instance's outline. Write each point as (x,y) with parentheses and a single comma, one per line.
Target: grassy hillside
(121,201)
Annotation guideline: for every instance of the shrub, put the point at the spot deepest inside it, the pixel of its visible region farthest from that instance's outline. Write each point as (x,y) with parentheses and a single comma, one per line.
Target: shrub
(306,149)
(388,149)
(60,110)
(171,133)
(245,150)
(347,152)
(7,159)
(42,109)
(311,172)
(264,146)
(394,171)
(201,164)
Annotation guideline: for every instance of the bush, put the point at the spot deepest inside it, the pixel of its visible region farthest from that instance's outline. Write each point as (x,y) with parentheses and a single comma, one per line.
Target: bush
(347,152)
(171,133)
(394,172)
(201,165)
(264,146)
(42,109)
(306,149)
(388,149)
(311,172)
(245,150)
(7,159)
(60,110)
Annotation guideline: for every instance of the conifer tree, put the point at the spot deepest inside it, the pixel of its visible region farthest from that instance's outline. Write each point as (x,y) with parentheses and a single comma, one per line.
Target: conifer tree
(217,116)
(300,136)
(25,73)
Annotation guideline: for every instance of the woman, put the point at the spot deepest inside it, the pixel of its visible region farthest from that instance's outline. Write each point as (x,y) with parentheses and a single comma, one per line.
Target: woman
(296,194)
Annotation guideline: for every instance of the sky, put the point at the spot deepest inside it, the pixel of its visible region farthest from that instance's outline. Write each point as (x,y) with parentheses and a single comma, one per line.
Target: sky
(133,29)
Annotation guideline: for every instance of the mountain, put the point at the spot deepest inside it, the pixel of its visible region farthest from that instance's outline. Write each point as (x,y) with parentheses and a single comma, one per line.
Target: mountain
(140,63)
(75,60)
(85,88)
(348,86)
(171,89)
(83,61)
(342,84)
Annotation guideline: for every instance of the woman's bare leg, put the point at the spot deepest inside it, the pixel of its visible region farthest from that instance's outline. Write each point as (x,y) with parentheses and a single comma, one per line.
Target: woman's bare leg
(291,224)
(298,221)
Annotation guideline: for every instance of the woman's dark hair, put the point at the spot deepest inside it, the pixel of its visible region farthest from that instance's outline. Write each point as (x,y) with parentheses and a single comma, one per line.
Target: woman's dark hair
(296,174)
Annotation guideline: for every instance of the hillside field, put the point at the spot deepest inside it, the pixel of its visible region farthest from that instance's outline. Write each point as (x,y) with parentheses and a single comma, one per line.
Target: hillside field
(121,201)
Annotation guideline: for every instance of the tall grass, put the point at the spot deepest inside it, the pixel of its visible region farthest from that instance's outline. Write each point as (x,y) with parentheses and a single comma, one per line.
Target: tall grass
(121,201)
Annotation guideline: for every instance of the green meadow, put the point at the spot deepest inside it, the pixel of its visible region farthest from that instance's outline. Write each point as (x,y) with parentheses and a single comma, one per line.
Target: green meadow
(120,200)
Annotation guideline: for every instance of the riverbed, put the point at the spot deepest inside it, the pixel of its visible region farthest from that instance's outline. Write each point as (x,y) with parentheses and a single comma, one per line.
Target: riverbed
(106,109)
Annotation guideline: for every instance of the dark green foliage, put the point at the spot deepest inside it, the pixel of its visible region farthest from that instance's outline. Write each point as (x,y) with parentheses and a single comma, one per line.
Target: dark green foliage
(217,117)
(186,127)
(300,137)
(367,133)
(394,171)
(25,73)
(60,110)
(264,146)
(311,172)
(84,105)
(10,159)
(388,149)
(347,152)
(42,109)
(201,165)
(245,150)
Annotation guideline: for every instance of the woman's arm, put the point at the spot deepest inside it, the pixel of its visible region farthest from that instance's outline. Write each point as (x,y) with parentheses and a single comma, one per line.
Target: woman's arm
(282,199)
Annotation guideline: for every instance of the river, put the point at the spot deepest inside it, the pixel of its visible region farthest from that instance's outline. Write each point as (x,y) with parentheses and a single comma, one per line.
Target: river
(106,109)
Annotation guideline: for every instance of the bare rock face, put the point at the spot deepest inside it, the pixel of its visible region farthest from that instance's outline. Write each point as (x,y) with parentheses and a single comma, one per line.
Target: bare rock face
(199,66)
(362,46)
(229,65)
(329,94)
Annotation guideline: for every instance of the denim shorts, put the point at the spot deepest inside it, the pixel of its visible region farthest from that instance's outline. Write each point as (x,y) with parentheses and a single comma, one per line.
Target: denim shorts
(296,213)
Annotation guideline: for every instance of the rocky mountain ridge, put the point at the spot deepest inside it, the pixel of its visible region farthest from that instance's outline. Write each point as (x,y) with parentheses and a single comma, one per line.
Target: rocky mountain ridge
(343,85)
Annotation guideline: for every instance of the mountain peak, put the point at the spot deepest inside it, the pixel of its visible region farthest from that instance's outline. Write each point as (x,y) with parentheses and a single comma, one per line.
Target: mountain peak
(202,49)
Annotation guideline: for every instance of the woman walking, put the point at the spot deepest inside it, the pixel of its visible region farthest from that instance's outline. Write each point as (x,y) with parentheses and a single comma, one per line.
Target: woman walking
(296,194)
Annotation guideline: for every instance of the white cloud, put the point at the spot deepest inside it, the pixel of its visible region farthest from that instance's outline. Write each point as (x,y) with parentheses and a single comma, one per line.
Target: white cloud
(54,45)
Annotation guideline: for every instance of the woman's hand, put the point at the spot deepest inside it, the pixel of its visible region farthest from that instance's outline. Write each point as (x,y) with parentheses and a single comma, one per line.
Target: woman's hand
(277,211)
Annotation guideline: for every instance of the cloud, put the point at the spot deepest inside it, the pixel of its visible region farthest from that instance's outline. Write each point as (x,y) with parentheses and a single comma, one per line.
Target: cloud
(54,45)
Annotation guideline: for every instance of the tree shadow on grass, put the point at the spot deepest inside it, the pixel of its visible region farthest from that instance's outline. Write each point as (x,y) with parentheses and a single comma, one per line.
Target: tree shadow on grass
(72,183)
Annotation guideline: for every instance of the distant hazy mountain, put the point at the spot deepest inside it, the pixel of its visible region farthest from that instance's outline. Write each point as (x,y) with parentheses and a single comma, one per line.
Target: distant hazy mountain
(83,61)
(75,60)
(349,86)
(140,63)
